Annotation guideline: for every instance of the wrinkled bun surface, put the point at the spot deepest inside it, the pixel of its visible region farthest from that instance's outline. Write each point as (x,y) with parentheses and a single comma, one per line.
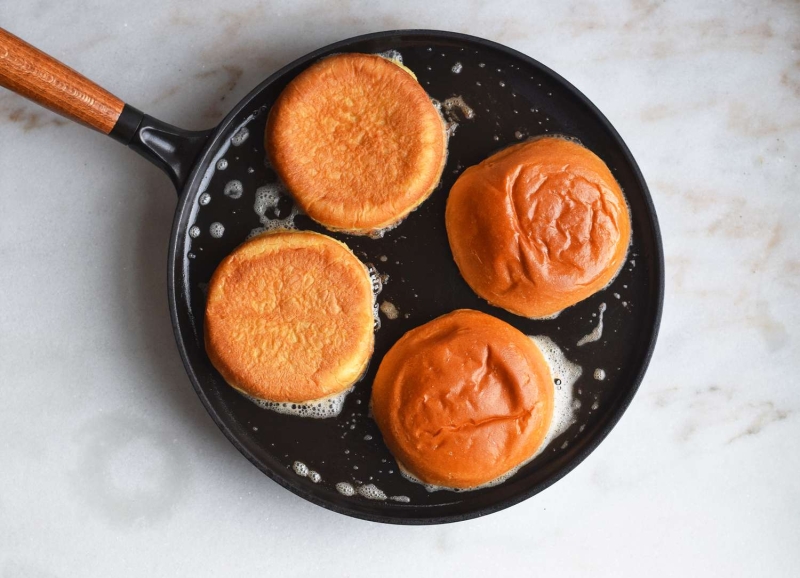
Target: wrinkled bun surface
(463,399)
(538,226)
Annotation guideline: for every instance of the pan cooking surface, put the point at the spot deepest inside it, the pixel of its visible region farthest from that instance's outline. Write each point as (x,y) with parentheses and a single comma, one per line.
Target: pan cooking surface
(512,98)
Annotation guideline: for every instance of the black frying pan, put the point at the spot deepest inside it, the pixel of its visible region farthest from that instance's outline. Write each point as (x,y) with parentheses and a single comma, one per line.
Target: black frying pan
(513,97)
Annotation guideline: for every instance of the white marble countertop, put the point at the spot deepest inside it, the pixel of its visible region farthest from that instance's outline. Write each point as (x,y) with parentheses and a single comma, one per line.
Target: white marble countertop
(109,465)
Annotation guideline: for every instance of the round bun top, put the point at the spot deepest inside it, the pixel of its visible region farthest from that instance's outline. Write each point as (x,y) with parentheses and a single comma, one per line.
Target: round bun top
(538,226)
(463,399)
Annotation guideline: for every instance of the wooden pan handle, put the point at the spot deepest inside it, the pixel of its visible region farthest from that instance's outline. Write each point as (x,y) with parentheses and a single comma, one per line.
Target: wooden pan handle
(35,75)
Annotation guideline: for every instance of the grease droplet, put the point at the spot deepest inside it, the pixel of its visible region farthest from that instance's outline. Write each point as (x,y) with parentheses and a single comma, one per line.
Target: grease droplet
(233,189)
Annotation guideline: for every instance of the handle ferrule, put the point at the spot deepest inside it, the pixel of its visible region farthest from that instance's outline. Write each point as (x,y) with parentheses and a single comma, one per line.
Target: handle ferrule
(128,123)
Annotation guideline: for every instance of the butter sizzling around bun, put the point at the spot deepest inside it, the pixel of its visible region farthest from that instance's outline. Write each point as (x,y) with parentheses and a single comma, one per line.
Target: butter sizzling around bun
(289,317)
(463,400)
(357,142)
(538,226)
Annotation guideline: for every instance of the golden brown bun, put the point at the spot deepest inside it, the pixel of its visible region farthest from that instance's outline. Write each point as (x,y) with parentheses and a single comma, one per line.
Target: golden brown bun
(289,317)
(538,226)
(357,141)
(463,399)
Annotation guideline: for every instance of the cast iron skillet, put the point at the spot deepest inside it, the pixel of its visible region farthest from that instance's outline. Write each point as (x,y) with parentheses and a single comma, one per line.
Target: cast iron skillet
(513,97)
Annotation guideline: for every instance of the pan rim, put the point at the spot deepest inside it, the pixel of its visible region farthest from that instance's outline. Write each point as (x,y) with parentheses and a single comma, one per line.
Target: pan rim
(175,277)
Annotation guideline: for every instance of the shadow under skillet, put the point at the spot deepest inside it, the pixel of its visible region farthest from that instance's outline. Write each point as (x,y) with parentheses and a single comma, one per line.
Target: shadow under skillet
(140,292)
